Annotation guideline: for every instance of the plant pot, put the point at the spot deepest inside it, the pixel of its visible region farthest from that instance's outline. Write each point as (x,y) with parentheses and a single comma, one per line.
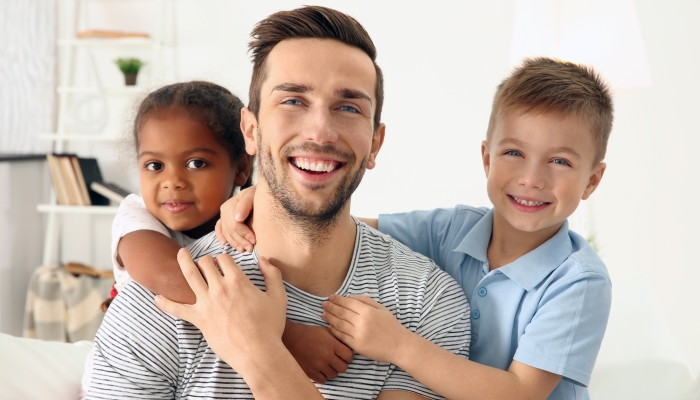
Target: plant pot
(130,79)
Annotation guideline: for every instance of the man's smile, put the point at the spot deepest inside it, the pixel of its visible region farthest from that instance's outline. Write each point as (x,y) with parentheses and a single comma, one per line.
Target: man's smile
(315,165)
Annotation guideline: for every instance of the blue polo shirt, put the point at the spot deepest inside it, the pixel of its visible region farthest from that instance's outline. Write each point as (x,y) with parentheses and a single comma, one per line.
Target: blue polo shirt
(547,309)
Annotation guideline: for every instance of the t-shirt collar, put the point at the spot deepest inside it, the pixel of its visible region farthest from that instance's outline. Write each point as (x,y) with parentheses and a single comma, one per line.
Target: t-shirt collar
(529,270)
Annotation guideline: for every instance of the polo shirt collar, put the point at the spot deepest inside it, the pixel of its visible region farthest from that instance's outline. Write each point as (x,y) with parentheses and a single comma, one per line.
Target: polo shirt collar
(532,268)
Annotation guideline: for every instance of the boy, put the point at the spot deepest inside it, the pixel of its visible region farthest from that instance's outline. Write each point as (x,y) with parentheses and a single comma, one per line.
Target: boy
(540,296)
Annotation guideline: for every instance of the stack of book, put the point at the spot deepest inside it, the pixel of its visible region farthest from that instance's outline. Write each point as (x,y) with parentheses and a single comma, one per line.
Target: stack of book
(78,182)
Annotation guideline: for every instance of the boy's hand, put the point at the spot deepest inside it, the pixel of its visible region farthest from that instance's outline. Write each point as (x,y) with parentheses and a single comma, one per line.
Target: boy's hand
(366,326)
(317,351)
(231,227)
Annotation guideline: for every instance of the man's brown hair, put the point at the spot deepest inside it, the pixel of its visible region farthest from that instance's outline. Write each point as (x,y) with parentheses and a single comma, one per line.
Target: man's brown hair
(308,22)
(545,85)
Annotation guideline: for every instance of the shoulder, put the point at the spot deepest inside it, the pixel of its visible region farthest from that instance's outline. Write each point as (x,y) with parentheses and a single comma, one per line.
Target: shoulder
(133,215)
(583,263)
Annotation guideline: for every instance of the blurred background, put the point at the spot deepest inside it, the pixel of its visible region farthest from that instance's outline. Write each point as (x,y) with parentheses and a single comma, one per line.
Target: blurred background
(62,91)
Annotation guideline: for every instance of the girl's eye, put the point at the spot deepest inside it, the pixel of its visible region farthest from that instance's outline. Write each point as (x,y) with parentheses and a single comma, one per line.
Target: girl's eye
(154,166)
(196,164)
(349,109)
(515,153)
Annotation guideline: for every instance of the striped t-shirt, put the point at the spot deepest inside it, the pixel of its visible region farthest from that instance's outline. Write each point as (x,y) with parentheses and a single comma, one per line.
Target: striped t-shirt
(142,352)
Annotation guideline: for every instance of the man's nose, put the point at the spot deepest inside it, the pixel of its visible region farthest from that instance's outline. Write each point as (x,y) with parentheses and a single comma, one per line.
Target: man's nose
(320,127)
(533,175)
(173,178)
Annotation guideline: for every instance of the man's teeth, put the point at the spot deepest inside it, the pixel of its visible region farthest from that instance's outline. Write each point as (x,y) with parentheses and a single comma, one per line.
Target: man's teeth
(528,203)
(317,167)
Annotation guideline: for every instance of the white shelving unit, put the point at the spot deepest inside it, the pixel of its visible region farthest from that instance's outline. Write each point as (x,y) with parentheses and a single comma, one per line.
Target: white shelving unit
(67,89)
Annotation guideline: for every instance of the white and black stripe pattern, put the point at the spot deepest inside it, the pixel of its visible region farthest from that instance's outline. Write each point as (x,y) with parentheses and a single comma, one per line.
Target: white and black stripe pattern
(145,353)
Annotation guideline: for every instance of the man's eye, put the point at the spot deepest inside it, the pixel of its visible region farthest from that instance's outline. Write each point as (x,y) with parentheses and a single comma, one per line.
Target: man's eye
(196,164)
(293,102)
(515,153)
(561,161)
(349,109)
(154,166)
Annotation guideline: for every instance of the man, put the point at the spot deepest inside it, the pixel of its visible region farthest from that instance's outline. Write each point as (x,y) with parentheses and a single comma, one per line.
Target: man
(314,121)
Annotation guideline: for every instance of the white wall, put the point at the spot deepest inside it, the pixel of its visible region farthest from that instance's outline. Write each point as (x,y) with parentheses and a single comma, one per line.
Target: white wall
(442,61)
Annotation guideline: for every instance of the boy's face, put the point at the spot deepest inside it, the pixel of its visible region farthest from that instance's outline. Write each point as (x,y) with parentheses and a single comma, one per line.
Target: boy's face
(538,168)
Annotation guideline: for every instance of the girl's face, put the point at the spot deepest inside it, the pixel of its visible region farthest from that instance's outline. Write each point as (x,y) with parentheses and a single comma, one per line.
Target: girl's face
(185,173)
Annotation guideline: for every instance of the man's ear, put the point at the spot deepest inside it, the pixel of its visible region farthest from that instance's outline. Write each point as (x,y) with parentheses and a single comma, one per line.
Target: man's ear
(242,170)
(249,125)
(594,180)
(485,157)
(377,141)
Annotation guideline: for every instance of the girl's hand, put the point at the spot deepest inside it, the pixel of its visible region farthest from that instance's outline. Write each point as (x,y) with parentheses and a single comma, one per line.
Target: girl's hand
(318,352)
(366,326)
(231,227)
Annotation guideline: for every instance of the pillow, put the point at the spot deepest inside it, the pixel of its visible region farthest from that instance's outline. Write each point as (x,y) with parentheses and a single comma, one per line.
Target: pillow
(36,369)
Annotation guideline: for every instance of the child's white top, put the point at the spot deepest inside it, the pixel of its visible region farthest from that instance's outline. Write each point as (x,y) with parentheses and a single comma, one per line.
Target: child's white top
(133,216)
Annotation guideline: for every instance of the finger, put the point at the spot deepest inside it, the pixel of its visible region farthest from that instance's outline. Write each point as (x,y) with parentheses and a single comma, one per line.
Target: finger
(244,231)
(367,300)
(210,271)
(353,305)
(191,272)
(329,372)
(229,267)
(344,353)
(343,337)
(340,312)
(274,286)
(219,233)
(238,241)
(339,364)
(316,376)
(338,323)
(177,310)
(245,204)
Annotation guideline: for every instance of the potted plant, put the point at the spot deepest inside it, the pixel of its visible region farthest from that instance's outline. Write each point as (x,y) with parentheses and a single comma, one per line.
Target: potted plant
(130,68)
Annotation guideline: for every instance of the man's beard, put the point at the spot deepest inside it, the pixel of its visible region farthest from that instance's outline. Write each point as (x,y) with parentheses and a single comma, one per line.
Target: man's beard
(313,223)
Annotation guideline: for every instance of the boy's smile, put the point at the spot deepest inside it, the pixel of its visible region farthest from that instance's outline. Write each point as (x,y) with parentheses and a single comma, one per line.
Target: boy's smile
(539,167)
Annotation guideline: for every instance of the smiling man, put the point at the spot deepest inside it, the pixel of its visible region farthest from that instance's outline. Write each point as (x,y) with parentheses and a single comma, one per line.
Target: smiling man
(314,121)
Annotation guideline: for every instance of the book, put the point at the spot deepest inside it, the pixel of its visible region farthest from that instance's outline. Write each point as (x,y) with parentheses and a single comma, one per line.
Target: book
(91,173)
(57,178)
(70,180)
(109,190)
(84,194)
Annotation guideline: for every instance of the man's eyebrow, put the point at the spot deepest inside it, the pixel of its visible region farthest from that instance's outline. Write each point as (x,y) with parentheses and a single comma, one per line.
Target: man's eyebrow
(292,87)
(347,93)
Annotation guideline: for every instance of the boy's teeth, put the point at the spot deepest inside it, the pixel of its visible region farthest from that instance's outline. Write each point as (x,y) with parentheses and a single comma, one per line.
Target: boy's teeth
(528,203)
(317,167)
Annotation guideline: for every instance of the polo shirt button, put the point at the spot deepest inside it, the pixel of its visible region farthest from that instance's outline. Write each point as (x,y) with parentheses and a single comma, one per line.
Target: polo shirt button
(476,314)
(482,292)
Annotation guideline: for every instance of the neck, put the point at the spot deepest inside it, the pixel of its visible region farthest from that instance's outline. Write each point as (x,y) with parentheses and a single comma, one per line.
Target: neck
(315,259)
(201,230)
(507,244)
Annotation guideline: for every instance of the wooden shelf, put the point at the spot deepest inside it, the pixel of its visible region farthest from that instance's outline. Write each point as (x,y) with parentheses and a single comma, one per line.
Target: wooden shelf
(110,90)
(98,42)
(101,210)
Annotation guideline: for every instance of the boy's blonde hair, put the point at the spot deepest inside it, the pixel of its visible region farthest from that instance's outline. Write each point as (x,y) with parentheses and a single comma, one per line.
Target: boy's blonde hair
(545,85)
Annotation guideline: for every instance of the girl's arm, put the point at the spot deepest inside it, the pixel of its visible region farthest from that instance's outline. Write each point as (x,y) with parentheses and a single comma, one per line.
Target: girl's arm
(371,330)
(150,258)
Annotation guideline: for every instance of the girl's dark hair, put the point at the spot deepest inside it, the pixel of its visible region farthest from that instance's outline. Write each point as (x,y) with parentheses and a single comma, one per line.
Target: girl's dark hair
(205,102)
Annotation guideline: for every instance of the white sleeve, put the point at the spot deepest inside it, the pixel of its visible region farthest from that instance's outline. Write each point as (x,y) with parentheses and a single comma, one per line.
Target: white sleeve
(131,216)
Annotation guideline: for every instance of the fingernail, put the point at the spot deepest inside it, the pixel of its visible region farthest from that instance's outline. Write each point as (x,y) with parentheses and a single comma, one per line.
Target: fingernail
(324,304)
(239,217)
(157,298)
(324,315)
(181,250)
(238,249)
(331,297)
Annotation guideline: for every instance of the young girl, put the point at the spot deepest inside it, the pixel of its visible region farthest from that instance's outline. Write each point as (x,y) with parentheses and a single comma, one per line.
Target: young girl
(191,157)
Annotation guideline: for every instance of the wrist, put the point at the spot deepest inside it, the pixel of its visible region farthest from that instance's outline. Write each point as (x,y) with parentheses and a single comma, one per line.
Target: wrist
(289,332)
(406,344)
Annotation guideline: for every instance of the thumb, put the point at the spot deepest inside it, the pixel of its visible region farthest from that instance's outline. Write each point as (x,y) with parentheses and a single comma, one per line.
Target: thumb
(177,310)
(274,286)
(245,204)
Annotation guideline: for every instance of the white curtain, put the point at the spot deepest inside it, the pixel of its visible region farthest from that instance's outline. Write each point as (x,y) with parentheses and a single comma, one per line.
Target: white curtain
(27,74)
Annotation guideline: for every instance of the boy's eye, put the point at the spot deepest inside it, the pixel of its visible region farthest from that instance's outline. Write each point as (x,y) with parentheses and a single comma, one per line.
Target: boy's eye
(513,153)
(196,164)
(349,109)
(561,161)
(154,166)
